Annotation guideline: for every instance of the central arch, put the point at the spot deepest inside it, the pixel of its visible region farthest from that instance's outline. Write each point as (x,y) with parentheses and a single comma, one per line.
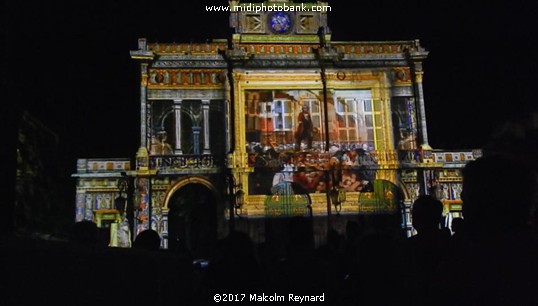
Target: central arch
(192,217)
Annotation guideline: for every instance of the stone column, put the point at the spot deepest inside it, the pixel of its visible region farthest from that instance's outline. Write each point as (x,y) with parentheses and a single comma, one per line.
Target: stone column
(421,108)
(165,231)
(205,111)
(196,139)
(143,105)
(177,115)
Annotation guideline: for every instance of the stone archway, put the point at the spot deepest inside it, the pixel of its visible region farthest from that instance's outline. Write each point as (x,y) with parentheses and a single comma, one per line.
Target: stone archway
(192,218)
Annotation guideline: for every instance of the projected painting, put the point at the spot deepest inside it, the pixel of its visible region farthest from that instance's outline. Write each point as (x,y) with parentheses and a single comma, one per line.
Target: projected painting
(404,124)
(163,132)
(288,143)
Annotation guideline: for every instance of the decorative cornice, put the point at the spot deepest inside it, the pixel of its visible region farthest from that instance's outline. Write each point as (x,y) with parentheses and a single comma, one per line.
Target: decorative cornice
(313,63)
(142,55)
(363,57)
(370,63)
(186,94)
(189,64)
(185,78)
(418,55)
(402,91)
(278,63)
(261,38)
(348,48)
(197,57)
(374,47)
(188,48)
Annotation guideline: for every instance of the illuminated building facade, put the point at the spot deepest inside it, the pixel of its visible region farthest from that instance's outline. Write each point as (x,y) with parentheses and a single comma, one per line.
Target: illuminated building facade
(277,121)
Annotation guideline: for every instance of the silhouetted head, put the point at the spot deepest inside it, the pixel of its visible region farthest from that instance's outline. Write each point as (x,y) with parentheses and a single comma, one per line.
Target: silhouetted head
(457,225)
(498,193)
(85,233)
(333,238)
(147,240)
(237,247)
(427,213)
(301,233)
(352,230)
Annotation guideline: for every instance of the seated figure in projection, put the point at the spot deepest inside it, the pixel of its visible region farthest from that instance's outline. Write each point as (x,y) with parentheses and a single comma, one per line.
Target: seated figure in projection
(159,146)
(282,180)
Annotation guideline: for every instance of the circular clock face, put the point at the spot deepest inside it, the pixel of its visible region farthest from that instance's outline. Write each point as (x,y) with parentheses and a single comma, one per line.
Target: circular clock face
(280,22)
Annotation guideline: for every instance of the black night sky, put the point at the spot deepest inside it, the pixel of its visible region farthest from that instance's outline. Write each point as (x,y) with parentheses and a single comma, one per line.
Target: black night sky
(68,64)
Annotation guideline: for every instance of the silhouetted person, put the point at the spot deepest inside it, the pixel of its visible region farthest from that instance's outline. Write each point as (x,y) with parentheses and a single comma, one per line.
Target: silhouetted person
(458,231)
(233,267)
(352,236)
(457,225)
(498,258)
(301,236)
(497,188)
(376,276)
(427,214)
(85,233)
(147,240)
(302,271)
(333,252)
(426,248)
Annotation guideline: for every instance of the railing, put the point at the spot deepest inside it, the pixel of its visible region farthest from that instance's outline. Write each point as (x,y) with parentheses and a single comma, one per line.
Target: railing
(180,162)
(95,165)
(384,156)
(445,157)
(409,156)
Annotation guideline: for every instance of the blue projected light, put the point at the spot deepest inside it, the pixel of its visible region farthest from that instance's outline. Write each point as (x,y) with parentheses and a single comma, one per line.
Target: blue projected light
(280,22)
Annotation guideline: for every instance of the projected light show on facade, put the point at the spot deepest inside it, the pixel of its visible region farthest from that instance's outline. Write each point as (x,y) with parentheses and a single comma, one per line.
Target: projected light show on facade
(276,121)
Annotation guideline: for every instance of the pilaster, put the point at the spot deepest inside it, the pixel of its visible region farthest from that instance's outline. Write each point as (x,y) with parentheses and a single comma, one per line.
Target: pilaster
(177,114)
(205,113)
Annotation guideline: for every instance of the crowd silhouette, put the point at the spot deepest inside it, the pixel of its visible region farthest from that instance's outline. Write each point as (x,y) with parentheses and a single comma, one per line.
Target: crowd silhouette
(491,258)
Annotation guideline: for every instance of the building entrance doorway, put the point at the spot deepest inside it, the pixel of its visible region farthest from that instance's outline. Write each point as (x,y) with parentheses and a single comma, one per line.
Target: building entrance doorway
(192,220)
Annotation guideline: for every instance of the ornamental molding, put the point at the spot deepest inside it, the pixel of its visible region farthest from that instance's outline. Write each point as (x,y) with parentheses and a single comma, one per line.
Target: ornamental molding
(190,57)
(402,91)
(186,94)
(278,63)
(189,64)
(363,57)
(281,60)
(370,63)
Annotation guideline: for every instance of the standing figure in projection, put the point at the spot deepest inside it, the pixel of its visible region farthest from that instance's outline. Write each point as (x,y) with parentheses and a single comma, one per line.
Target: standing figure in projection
(304,129)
